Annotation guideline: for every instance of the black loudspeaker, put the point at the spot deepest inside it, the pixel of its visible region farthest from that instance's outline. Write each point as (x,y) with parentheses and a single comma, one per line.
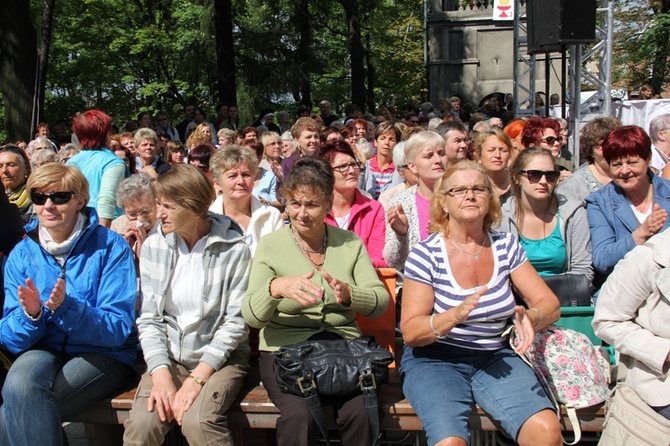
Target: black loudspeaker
(552,23)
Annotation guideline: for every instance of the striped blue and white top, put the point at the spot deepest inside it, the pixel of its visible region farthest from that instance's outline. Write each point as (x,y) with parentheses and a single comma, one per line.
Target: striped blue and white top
(428,263)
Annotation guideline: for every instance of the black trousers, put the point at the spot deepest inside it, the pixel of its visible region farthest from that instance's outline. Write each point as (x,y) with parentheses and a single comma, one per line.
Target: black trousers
(296,426)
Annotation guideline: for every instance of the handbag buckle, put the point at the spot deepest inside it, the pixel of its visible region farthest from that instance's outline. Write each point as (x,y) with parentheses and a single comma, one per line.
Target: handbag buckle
(371,384)
(300,380)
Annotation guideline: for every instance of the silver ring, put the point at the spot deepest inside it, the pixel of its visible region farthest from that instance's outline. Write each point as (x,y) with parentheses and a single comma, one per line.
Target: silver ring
(302,287)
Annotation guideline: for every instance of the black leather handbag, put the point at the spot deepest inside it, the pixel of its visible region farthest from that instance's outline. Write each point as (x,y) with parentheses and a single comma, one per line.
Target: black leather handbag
(339,367)
(572,290)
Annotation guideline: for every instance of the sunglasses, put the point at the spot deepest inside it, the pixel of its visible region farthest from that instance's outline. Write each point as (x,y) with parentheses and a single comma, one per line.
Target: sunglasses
(551,140)
(535,176)
(56,197)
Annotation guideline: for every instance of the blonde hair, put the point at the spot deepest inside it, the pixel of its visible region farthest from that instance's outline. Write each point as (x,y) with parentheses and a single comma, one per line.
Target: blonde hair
(230,156)
(439,218)
(196,138)
(68,177)
(424,138)
(483,135)
(187,186)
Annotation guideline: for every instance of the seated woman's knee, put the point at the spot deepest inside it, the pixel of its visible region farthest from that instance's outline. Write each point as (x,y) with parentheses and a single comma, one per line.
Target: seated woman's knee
(452,441)
(542,428)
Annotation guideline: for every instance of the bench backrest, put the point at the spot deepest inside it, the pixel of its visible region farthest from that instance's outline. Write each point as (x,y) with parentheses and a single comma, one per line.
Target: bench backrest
(383,327)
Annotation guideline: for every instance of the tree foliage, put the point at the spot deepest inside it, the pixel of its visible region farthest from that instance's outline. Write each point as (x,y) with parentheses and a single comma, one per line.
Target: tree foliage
(642,43)
(127,56)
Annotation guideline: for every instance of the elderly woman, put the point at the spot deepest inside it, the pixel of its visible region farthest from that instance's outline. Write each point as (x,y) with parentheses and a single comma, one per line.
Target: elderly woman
(313,290)
(266,182)
(632,315)
(351,209)
(380,172)
(553,229)
(234,169)
(135,196)
(68,313)
(457,302)
(147,146)
(192,333)
(595,173)
(634,206)
(103,170)
(272,148)
(289,147)
(14,173)
(408,212)
(492,149)
(410,178)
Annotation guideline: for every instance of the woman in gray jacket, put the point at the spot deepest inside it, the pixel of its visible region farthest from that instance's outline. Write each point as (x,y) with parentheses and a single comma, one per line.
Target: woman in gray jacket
(553,229)
(194,275)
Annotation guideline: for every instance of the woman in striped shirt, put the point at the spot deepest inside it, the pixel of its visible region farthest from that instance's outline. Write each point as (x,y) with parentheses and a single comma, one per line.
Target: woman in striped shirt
(457,302)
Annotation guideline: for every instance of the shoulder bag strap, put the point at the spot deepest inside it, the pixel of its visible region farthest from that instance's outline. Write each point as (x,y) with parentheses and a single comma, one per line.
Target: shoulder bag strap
(315,408)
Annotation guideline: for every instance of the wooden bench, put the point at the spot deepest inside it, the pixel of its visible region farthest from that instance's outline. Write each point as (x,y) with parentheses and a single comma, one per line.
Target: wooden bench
(254,410)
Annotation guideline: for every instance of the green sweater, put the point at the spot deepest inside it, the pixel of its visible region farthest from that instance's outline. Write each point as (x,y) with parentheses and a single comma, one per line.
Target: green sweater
(284,321)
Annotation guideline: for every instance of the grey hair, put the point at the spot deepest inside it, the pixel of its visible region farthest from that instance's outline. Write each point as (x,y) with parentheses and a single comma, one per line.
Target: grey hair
(365,148)
(658,124)
(144,134)
(433,123)
(134,187)
(399,154)
(419,140)
(41,157)
(30,149)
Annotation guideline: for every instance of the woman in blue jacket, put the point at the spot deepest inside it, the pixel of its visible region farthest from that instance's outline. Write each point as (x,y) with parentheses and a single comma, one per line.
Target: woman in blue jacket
(634,206)
(68,314)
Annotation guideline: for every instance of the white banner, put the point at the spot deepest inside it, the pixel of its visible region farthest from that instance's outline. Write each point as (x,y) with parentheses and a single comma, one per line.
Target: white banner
(503,9)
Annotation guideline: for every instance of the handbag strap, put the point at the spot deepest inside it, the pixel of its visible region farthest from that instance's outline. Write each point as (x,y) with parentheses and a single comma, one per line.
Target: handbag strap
(370,400)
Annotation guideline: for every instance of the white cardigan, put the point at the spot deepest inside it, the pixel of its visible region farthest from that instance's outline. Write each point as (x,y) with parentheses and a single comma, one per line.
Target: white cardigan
(264,220)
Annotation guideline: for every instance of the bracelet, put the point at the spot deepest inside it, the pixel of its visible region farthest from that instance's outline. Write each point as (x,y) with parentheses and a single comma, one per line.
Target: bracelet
(197,379)
(432,327)
(539,313)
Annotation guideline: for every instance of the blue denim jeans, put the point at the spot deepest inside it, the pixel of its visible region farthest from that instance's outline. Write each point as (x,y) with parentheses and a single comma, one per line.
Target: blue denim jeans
(43,388)
(443,383)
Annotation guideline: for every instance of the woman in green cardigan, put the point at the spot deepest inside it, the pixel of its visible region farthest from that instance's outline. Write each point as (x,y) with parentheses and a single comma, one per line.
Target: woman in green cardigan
(308,281)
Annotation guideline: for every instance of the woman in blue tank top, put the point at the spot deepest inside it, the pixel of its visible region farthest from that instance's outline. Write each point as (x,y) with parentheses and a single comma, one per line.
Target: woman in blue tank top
(552,228)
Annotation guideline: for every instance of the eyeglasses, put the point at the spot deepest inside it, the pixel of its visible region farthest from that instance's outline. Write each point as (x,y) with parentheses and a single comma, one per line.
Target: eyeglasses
(535,176)
(343,168)
(56,197)
(144,213)
(462,191)
(551,140)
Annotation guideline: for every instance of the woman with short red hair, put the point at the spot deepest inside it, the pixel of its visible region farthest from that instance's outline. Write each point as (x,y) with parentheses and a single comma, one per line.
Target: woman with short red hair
(101,167)
(634,206)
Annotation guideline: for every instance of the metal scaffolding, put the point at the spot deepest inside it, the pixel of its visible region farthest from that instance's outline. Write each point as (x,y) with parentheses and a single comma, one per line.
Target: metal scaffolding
(588,65)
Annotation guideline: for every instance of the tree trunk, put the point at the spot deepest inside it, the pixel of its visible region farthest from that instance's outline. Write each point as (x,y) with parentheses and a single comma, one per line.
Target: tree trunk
(225,52)
(356,52)
(18,64)
(43,62)
(371,75)
(305,51)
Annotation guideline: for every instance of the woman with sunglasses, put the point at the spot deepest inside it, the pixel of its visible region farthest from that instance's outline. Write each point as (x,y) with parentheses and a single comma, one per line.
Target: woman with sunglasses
(552,228)
(545,133)
(14,173)
(69,312)
(351,210)
(634,206)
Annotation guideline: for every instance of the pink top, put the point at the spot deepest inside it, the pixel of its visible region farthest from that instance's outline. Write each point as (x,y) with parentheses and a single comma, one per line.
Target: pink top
(423,211)
(367,220)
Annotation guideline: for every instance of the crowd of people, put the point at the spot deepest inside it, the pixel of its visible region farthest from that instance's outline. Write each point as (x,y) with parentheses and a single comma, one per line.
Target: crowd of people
(216,227)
